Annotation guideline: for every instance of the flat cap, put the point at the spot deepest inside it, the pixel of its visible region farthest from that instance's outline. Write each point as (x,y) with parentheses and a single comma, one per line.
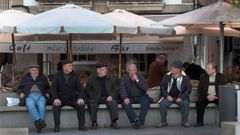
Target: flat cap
(100,65)
(177,64)
(64,62)
(34,66)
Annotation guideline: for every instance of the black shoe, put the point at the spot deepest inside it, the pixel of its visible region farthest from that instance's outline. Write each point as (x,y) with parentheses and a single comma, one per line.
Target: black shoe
(94,125)
(43,124)
(56,128)
(114,125)
(199,124)
(38,126)
(137,123)
(82,127)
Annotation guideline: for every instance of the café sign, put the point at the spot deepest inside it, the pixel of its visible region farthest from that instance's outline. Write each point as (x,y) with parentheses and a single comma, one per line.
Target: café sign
(91,47)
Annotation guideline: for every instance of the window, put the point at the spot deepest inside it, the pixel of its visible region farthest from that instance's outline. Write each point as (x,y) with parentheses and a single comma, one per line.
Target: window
(173,2)
(87,57)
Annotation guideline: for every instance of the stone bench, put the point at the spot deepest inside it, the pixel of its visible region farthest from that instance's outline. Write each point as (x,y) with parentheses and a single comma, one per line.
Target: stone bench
(18,116)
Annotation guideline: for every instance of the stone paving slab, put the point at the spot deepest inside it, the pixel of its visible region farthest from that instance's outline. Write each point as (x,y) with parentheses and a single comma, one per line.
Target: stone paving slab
(14,131)
(170,130)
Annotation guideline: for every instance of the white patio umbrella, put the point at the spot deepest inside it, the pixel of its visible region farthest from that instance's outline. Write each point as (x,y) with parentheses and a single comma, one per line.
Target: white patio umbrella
(144,25)
(8,20)
(220,13)
(210,31)
(72,19)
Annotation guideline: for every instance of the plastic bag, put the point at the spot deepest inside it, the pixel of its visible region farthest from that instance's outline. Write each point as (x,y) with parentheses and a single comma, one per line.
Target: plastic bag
(11,101)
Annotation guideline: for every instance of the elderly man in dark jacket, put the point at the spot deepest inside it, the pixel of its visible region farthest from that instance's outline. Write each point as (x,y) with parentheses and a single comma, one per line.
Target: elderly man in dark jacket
(133,87)
(208,90)
(101,89)
(67,90)
(175,88)
(33,91)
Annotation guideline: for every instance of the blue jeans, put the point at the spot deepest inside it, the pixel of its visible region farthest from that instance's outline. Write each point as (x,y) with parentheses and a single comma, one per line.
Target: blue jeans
(132,116)
(184,107)
(36,103)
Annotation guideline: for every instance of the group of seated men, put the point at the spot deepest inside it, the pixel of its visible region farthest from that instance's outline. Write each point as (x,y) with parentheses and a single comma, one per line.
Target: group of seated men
(66,90)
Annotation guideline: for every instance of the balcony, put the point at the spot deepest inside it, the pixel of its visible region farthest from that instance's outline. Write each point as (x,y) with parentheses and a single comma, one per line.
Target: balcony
(50,4)
(137,6)
(63,1)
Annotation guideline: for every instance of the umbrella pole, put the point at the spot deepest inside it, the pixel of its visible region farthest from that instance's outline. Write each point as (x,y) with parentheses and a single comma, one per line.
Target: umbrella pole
(14,59)
(67,50)
(221,48)
(70,47)
(120,58)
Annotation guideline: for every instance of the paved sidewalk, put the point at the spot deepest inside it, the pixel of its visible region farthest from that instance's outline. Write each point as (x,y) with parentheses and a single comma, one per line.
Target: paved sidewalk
(170,130)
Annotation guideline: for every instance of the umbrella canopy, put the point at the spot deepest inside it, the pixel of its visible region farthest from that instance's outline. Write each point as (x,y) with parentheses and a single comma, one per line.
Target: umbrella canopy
(211,14)
(11,18)
(209,31)
(145,25)
(217,13)
(71,18)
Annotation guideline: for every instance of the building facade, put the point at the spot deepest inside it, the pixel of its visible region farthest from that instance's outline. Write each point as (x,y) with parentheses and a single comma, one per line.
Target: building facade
(197,48)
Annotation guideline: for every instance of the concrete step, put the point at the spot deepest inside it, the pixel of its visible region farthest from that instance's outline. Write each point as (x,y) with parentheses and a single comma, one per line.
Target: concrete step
(230,128)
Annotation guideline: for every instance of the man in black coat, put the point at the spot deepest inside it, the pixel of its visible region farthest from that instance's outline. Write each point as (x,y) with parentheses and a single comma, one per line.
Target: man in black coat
(208,90)
(33,91)
(67,90)
(101,89)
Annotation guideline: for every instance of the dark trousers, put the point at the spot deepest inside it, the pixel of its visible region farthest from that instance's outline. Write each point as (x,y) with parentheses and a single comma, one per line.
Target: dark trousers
(132,116)
(201,105)
(80,111)
(93,108)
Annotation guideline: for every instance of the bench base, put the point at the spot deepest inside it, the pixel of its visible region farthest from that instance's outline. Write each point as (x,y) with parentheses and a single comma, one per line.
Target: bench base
(18,116)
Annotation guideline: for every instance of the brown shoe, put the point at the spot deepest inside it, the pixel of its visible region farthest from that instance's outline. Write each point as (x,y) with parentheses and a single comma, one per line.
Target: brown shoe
(94,125)
(186,124)
(114,125)
(163,124)
(82,127)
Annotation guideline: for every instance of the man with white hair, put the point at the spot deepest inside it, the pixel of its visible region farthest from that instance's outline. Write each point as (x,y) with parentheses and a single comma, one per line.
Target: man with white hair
(208,90)
(133,87)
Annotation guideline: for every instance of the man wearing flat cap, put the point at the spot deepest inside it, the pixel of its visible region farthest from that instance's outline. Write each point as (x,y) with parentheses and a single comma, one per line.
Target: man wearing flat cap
(33,91)
(101,89)
(175,88)
(67,90)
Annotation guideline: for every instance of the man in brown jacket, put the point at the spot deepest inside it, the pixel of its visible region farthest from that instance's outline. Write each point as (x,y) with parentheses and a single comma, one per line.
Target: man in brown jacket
(208,90)
(157,70)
